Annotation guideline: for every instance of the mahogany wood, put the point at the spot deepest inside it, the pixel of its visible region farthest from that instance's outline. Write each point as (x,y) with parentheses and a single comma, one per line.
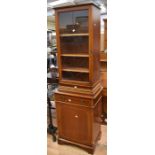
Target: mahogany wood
(79,96)
(105,33)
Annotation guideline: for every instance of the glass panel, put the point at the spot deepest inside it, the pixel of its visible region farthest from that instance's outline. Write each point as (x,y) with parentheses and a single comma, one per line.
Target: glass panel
(73,22)
(75,76)
(73,62)
(74,44)
(81,21)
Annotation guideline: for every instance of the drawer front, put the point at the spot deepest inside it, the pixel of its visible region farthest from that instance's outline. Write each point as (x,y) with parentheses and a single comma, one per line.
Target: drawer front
(72,100)
(74,123)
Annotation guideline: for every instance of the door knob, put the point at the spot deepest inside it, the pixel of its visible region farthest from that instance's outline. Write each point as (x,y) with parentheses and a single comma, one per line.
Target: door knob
(76,116)
(69,100)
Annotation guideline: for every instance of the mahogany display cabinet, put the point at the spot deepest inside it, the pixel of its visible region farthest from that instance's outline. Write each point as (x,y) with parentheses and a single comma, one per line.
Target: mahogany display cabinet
(79,96)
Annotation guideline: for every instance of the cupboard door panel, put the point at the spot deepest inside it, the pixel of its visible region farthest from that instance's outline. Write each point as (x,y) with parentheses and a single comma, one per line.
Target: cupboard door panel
(74,123)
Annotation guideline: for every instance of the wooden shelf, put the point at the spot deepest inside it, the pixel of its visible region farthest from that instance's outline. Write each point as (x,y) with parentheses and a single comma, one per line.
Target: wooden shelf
(75,55)
(80,70)
(74,34)
(73,81)
(103,60)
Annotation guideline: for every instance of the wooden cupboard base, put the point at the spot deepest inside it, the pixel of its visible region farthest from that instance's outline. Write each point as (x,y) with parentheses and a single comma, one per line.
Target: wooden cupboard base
(89,149)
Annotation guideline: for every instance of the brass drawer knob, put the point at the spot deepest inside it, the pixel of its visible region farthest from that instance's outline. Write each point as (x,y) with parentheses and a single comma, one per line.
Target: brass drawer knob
(69,100)
(76,116)
(75,86)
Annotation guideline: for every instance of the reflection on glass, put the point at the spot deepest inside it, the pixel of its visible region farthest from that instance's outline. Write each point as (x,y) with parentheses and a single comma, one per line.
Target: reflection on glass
(73,22)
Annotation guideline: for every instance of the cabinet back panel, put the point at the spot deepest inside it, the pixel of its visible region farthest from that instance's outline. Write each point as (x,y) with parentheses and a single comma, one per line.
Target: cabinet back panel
(75,76)
(75,62)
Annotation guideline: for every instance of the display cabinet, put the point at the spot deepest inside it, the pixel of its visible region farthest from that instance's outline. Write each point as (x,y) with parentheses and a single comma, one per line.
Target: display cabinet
(79,96)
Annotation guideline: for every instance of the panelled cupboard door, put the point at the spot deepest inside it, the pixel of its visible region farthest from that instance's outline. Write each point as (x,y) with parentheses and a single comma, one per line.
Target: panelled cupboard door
(74,123)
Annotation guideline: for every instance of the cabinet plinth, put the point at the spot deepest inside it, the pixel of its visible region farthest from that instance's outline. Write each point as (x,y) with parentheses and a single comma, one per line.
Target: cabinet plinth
(79,96)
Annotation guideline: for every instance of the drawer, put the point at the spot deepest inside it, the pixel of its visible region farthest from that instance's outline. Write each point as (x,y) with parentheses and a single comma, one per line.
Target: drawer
(72,100)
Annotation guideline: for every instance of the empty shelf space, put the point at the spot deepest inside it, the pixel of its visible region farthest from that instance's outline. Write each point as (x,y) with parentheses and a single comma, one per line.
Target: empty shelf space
(77,76)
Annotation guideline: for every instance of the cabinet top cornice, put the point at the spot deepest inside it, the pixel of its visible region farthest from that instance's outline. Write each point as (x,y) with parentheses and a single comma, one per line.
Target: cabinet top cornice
(76,5)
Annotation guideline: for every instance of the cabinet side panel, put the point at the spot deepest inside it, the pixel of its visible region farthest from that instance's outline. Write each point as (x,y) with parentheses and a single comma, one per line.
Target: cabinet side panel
(58,43)
(96,43)
(97,121)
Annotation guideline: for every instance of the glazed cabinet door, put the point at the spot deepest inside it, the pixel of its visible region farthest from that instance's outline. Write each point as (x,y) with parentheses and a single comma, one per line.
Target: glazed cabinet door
(74,123)
(73,31)
(73,22)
